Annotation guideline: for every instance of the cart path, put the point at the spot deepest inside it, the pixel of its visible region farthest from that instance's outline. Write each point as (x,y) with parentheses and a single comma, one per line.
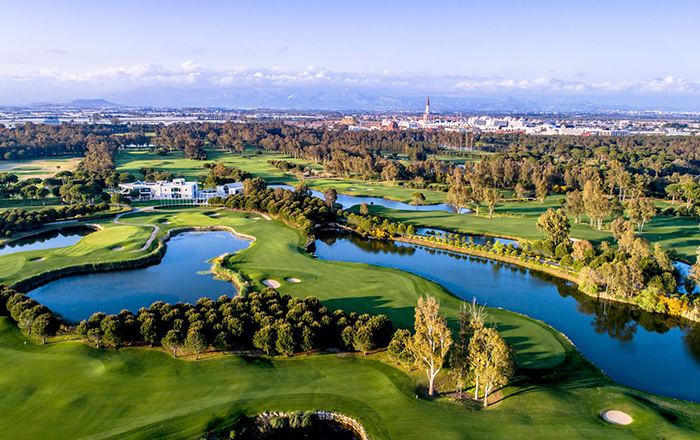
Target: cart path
(156,228)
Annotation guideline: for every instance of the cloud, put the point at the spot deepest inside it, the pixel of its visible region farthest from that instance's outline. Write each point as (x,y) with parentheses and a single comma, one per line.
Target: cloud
(667,85)
(190,75)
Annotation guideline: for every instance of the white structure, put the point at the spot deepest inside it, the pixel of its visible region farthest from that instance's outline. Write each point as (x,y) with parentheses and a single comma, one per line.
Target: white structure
(162,190)
(178,189)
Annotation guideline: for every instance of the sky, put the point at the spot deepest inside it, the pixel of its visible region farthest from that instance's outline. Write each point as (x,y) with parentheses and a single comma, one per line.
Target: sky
(639,53)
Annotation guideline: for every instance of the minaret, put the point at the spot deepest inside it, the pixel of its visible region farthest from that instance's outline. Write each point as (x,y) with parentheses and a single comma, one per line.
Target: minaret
(426,115)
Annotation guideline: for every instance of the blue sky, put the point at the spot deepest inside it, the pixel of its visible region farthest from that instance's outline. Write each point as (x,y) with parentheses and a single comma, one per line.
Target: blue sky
(615,51)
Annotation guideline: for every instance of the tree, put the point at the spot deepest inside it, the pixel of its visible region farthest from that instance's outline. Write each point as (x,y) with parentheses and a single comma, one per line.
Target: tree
(432,340)
(149,330)
(363,339)
(459,355)
(554,225)
(574,205)
(42,326)
(519,190)
(418,198)
(330,195)
(264,339)
(95,335)
(118,199)
(641,212)
(172,341)
(541,190)
(491,197)
(308,339)
(398,349)
(285,343)
(364,209)
(491,359)
(196,341)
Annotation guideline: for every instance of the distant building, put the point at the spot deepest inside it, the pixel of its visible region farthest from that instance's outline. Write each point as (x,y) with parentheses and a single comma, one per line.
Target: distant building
(426,114)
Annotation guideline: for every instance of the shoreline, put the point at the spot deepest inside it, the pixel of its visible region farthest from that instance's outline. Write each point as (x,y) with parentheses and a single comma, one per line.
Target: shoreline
(543,268)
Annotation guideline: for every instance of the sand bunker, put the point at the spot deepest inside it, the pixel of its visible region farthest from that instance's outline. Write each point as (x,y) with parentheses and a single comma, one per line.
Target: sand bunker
(37,259)
(617,417)
(271,283)
(293,280)
(117,248)
(351,189)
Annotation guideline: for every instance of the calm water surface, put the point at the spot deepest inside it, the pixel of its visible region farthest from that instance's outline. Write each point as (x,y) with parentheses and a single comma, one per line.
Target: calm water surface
(175,279)
(642,350)
(347,201)
(47,240)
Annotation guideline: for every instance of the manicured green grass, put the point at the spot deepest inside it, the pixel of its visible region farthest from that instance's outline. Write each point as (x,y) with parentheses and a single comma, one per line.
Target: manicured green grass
(40,167)
(177,163)
(69,390)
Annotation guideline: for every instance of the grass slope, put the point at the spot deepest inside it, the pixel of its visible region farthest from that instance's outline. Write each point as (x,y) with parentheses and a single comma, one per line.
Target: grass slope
(69,390)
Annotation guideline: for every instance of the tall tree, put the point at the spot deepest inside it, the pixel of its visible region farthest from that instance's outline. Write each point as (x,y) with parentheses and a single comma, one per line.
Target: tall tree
(330,195)
(196,341)
(554,225)
(418,198)
(432,339)
(491,197)
(574,205)
(492,360)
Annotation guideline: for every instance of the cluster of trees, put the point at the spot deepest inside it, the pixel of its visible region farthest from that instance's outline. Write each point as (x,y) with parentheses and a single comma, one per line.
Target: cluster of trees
(376,227)
(297,208)
(598,206)
(31,140)
(287,166)
(220,174)
(34,319)
(636,166)
(78,187)
(479,353)
(265,320)
(20,220)
(464,191)
(635,270)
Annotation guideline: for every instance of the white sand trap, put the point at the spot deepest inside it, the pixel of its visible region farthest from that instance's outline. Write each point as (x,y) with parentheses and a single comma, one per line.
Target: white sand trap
(216,214)
(351,189)
(369,189)
(117,248)
(271,283)
(37,259)
(616,417)
(255,218)
(293,280)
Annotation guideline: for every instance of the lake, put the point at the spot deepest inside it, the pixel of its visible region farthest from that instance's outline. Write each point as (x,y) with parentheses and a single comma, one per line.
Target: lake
(347,201)
(177,278)
(47,240)
(647,351)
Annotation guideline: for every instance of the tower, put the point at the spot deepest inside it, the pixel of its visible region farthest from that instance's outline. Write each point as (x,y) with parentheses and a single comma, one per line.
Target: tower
(426,115)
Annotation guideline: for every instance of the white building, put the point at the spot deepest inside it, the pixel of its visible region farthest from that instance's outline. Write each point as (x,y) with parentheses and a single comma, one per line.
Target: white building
(178,189)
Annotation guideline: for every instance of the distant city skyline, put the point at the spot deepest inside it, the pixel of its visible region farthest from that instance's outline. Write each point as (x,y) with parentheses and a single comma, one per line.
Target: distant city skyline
(350,54)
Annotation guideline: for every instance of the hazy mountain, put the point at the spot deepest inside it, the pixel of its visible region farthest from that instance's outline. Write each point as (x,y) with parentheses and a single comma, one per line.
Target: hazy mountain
(92,103)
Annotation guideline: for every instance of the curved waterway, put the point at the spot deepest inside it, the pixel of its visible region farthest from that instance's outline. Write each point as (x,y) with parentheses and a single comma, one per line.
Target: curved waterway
(178,277)
(657,354)
(347,201)
(47,240)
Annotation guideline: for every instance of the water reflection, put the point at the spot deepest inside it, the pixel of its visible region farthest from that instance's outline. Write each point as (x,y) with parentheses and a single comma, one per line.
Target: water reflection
(47,240)
(656,353)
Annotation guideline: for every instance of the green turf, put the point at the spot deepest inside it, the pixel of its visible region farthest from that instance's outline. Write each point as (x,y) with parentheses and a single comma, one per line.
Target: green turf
(40,167)
(69,390)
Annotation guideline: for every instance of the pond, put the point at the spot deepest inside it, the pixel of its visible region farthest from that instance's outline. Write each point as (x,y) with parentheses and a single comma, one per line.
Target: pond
(347,201)
(177,278)
(657,354)
(47,240)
